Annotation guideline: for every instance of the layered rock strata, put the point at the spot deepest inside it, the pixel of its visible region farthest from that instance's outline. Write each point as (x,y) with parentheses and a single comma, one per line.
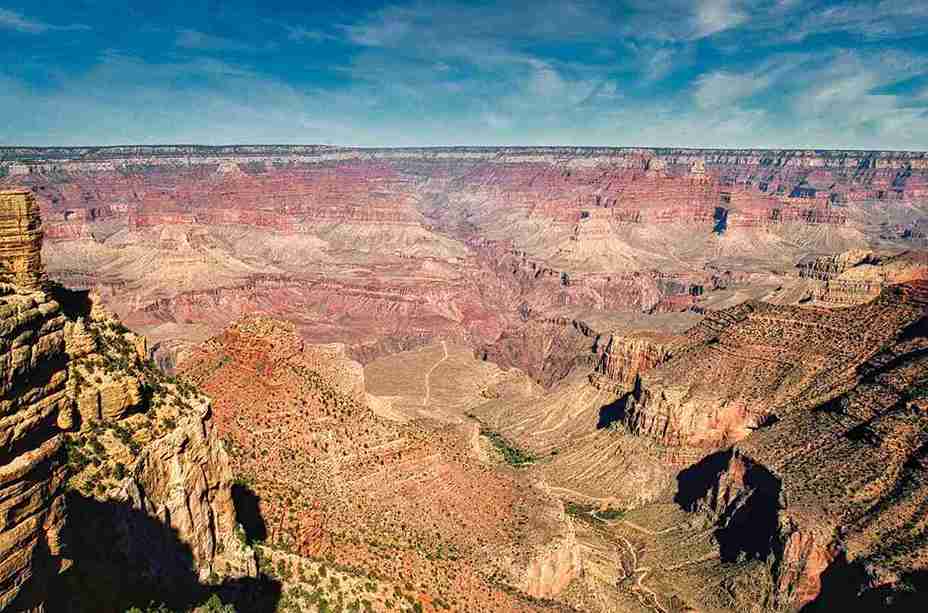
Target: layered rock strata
(33,376)
(141,453)
(829,499)
(20,239)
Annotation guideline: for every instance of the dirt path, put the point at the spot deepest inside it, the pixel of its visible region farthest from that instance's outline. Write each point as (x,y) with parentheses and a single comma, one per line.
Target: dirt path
(428,387)
(553,489)
(648,531)
(640,572)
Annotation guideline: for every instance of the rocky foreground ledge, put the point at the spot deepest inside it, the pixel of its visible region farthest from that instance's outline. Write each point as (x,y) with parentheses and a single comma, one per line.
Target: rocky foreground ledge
(110,473)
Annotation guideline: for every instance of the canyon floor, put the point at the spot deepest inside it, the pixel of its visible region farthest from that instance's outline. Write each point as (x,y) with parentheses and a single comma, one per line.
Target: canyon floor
(541,379)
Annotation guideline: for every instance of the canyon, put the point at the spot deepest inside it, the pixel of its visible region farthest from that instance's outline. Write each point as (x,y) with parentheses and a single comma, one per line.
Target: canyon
(391,249)
(467,379)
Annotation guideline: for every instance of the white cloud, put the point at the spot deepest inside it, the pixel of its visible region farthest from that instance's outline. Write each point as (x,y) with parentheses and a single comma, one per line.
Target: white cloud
(720,89)
(659,64)
(828,99)
(389,28)
(795,21)
(194,39)
(304,34)
(714,16)
(12,20)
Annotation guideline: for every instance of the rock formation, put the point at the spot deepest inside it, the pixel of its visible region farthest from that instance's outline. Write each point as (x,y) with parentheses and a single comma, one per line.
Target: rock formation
(625,358)
(20,240)
(338,480)
(73,377)
(33,375)
(829,494)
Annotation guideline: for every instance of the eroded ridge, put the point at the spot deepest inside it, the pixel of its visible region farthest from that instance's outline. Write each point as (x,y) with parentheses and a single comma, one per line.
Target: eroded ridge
(109,473)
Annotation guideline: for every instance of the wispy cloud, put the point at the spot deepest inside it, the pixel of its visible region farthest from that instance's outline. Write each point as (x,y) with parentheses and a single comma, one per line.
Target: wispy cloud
(194,39)
(722,89)
(676,72)
(713,16)
(11,20)
(683,20)
(295,33)
(793,22)
(836,101)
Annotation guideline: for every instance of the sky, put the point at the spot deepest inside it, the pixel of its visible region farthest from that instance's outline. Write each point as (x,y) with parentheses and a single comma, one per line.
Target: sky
(687,73)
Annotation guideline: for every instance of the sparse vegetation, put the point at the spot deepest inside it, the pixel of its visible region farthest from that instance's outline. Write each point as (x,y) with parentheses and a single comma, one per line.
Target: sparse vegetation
(511,454)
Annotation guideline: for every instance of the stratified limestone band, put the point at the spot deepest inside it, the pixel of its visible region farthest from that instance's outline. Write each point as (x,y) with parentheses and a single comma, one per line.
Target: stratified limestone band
(20,240)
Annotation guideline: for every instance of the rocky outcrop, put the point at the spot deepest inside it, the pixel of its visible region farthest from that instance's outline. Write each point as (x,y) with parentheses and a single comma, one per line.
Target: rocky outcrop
(334,478)
(138,447)
(858,276)
(825,268)
(740,363)
(20,240)
(827,500)
(147,469)
(624,358)
(552,565)
(33,377)
(184,481)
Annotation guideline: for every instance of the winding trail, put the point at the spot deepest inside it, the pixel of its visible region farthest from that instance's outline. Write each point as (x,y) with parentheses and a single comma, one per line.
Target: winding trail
(641,590)
(428,387)
(648,531)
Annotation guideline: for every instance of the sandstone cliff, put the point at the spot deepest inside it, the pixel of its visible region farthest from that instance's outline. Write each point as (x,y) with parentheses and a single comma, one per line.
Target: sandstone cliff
(33,376)
(143,462)
(20,239)
(148,470)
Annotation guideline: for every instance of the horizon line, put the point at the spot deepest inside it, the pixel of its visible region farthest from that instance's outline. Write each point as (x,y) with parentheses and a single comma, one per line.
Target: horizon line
(12,148)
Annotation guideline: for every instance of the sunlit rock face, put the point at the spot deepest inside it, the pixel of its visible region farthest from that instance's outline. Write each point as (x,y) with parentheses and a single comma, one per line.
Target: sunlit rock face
(69,371)
(20,239)
(33,376)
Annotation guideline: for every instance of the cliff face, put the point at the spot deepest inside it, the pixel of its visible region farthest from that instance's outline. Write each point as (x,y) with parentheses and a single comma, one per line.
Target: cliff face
(143,463)
(737,365)
(147,470)
(33,376)
(20,239)
(624,358)
(858,276)
(184,480)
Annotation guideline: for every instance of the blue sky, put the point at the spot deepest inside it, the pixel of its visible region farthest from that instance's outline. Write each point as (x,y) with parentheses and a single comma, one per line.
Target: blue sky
(714,73)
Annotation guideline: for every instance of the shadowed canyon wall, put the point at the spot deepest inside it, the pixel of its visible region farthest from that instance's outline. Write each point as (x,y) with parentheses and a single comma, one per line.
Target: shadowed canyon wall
(71,379)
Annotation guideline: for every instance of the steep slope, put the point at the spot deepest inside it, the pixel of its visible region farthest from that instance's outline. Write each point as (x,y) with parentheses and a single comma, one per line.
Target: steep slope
(150,502)
(108,472)
(423,500)
(768,460)
(828,502)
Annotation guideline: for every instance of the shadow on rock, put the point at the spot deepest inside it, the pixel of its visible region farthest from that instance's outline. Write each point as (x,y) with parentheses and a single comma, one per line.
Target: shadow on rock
(844,589)
(695,483)
(124,558)
(74,303)
(248,512)
(612,413)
